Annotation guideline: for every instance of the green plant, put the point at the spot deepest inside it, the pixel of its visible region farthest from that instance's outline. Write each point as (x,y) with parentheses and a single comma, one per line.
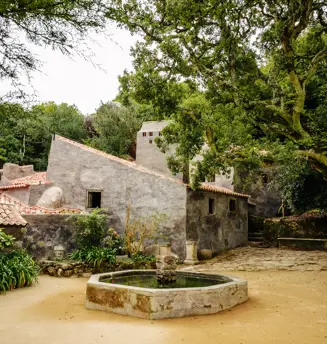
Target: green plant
(139,257)
(89,228)
(96,256)
(114,241)
(17,269)
(6,240)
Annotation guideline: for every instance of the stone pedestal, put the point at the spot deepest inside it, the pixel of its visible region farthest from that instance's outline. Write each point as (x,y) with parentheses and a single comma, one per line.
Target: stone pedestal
(191,253)
(165,249)
(58,252)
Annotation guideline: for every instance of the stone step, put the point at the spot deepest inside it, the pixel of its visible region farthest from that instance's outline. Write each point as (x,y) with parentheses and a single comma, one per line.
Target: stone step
(251,238)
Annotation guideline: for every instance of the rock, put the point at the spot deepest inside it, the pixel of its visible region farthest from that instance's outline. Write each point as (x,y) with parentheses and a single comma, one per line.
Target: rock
(51,271)
(51,198)
(205,254)
(152,250)
(59,272)
(68,273)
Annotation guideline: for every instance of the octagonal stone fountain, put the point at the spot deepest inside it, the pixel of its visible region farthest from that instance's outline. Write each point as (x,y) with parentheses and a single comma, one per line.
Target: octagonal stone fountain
(164,293)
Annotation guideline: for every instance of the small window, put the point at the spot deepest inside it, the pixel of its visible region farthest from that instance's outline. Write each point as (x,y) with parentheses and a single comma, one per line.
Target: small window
(160,133)
(264,179)
(211,206)
(150,133)
(150,141)
(144,134)
(212,179)
(232,205)
(94,199)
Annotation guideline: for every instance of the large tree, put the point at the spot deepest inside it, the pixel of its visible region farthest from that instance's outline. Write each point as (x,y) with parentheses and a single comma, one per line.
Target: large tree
(114,129)
(58,24)
(25,134)
(260,67)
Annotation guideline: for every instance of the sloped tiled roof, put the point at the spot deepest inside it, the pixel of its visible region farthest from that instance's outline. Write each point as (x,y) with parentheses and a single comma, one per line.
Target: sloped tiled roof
(9,216)
(33,179)
(213,188)
(140,168)
(26,209)
(24,182)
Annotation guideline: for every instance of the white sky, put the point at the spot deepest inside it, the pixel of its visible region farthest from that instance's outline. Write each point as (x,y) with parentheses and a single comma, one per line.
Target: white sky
(75,81)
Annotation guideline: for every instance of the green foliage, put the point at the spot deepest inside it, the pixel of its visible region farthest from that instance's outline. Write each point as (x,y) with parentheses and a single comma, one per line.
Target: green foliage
(115,128)
(25,134)
(60,25)
(258,76)
(6,240)
(17,268)
(90,229)
(114,241)
(96,256)
(139,257)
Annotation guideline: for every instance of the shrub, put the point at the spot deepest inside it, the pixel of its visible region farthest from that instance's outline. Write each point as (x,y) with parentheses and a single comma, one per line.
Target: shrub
(17,268)
(96,256)
(141,258)
(90,228)
(114,241)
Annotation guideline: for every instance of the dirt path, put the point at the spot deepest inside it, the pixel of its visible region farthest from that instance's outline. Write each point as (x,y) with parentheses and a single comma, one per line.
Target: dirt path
(284,307)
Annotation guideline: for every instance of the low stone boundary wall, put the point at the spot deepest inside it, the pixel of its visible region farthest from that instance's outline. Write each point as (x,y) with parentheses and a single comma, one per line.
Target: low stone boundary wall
(307,226)
(79,269)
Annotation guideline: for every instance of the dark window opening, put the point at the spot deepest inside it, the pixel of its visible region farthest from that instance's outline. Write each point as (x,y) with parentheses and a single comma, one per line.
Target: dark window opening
(150,133)
(144,134)
(94,199)
(232,205)
(212,179)
(150,141)
(264,179)
(211,206)
(160,133)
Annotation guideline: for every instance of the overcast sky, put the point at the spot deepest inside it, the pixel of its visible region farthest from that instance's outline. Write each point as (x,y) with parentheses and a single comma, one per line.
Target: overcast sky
(79,82)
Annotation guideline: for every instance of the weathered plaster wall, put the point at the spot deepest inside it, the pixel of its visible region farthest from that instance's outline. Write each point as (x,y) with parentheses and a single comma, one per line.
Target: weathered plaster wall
(13,171)
(23,194)
(266,198)
(148,154)
(221,230)
(76,170)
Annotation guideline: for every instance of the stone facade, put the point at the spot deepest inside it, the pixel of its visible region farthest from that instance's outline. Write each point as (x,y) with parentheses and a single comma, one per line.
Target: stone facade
(219,229)
(80,170)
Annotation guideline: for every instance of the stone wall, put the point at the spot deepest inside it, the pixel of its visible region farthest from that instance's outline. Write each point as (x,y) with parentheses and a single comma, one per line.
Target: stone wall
(43,232)
(77,169)
(309,226)
(219,231)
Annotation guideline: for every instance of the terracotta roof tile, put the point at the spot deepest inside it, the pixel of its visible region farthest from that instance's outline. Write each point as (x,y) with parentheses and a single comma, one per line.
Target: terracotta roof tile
(27,209)
(212,188)
(9,216)
(24,182)
(33,179)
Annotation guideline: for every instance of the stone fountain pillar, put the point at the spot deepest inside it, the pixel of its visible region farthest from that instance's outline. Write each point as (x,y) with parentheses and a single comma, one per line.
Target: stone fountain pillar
(166,269)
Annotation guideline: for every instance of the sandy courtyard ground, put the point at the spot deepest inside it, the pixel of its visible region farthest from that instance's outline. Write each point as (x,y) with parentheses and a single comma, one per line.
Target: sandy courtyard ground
(284,307)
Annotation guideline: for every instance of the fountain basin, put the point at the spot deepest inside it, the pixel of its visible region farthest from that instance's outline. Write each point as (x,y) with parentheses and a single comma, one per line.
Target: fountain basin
(109,292)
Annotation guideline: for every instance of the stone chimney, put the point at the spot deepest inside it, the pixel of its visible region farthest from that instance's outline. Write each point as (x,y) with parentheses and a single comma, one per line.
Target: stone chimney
(14,171)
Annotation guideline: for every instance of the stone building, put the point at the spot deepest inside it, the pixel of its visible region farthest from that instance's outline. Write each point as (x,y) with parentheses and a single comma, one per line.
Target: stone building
(214,217)
(80,178)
